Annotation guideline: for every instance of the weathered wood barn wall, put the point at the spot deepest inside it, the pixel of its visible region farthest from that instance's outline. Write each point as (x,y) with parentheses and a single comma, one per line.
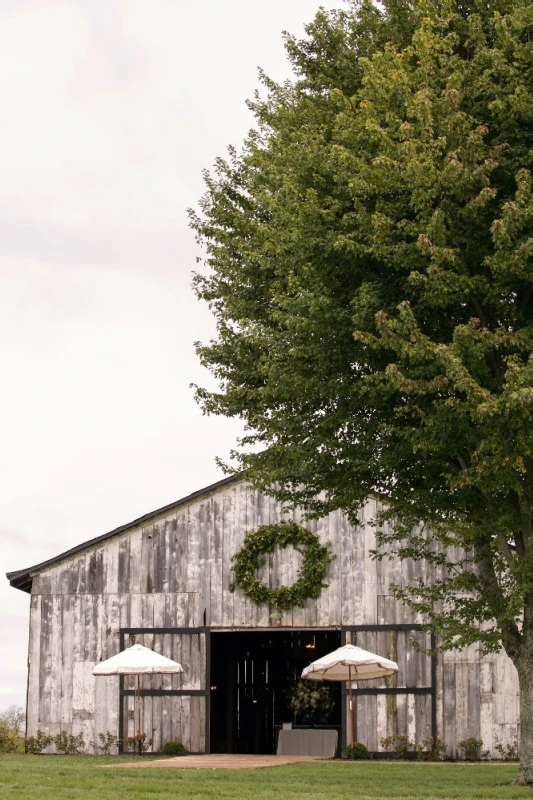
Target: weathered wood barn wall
(167,575)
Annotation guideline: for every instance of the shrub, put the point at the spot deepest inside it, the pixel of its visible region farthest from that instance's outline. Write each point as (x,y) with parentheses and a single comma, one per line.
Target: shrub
(431,749)
(356,751)
(13,718)
(472,747)
(68,744)
(11,730)
(175,748)
(107,741)
(311,702)
(9,741)
(398,743)
(509,752)
(132,743)
(38,743)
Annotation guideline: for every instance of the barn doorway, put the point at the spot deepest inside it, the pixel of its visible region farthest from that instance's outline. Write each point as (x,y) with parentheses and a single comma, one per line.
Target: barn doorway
(252,673)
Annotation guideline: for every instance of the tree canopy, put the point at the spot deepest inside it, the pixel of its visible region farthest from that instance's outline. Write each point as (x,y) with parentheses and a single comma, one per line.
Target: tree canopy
(369,254)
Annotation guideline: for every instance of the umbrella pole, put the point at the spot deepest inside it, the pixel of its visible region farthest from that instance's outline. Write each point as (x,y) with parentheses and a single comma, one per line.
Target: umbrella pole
(139,713)
(351,703)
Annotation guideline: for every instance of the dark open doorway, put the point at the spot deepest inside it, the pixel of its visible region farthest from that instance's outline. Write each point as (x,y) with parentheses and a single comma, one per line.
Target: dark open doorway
(251,676)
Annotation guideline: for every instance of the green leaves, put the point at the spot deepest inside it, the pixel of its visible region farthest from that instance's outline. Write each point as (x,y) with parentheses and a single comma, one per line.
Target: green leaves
(369,262)
(252,555)
(311,702)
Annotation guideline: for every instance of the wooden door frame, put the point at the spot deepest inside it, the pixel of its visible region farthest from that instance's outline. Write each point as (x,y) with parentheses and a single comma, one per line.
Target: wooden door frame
(132,633)
(344,629)
(263,630)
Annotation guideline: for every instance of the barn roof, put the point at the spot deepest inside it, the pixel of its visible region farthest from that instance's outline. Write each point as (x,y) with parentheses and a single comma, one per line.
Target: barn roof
(22,578)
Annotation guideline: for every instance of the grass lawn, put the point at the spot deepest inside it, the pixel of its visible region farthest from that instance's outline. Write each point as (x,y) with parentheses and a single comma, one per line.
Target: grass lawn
(74,777)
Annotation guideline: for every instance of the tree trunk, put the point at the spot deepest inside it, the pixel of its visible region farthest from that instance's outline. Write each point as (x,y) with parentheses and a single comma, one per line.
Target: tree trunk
(525,681)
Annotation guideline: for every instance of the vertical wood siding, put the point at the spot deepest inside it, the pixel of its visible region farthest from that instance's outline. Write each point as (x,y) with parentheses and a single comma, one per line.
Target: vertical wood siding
(175,571)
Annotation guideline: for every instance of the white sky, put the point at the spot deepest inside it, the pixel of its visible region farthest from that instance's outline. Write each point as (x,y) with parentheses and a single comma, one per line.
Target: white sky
(110,110)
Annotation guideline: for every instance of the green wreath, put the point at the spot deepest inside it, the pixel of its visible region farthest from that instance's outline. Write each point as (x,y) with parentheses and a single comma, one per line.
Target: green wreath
(252,555)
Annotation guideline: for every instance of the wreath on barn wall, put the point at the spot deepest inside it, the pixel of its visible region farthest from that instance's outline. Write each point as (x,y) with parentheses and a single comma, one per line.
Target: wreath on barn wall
(252,555)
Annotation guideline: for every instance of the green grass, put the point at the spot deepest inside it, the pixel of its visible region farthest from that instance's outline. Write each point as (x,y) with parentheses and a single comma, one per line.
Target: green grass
(75,777)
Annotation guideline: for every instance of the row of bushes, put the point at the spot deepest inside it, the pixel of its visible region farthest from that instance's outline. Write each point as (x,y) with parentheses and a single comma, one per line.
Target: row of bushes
(12,739)
(400,745)
(430,749)
(70,744)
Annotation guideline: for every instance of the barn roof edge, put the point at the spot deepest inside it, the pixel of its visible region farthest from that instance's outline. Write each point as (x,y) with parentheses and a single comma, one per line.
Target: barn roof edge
(22,578)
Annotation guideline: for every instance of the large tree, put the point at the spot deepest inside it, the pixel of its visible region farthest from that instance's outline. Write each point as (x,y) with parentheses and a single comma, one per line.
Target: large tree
(369,255)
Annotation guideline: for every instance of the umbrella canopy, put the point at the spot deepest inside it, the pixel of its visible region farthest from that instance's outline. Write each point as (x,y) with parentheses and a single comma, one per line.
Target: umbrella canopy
(350,663)
(137,660)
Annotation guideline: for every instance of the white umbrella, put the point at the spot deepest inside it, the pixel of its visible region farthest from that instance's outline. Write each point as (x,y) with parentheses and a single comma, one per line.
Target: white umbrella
(138,660)
(350,663)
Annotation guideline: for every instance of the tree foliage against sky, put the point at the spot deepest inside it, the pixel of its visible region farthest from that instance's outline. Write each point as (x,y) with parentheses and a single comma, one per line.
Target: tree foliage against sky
(371,273)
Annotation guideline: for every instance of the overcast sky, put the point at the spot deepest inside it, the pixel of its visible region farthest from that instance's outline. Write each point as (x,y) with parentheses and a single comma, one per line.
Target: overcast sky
(110,110)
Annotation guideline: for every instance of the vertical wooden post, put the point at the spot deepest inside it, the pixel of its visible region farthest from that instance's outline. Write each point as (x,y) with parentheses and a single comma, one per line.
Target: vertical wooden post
(207,745)
(351,702)
(139,733)
(121,704)
(433,645)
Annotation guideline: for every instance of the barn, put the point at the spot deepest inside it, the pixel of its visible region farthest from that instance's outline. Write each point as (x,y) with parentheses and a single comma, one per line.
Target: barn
(165,579)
